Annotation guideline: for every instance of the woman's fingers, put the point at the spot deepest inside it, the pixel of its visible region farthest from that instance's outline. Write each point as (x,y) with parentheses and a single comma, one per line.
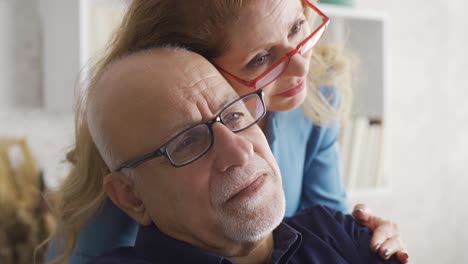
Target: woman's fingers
(362,213)
(393,246)
(403,256)
(386,240)
(383,230)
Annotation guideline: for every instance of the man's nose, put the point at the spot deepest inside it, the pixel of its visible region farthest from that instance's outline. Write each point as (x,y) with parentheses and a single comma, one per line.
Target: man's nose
(231,149)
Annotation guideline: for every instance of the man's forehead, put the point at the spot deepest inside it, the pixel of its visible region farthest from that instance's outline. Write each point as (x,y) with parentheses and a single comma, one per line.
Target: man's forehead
(195,102)
(188,90)
(173,79)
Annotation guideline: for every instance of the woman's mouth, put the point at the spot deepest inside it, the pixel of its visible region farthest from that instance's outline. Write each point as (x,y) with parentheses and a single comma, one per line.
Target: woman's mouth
(293,90)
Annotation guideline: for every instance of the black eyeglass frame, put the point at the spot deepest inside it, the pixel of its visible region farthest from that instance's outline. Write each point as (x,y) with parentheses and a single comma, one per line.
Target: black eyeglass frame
(162,151)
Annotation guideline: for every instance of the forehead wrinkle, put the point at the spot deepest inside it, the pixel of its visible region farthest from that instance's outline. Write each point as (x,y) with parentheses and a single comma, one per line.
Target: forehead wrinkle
(195,102)
(205,87)
(177,93)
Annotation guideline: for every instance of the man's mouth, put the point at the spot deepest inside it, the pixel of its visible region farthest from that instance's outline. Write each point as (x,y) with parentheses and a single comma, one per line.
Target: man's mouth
(248,188)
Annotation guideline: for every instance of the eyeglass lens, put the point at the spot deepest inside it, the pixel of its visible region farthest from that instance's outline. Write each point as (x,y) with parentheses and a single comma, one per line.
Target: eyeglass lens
(272,75)
(196,141)
(312,41)
(281,67)
(189,144)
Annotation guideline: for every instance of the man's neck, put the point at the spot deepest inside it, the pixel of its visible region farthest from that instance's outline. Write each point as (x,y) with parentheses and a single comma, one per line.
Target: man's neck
(259,254)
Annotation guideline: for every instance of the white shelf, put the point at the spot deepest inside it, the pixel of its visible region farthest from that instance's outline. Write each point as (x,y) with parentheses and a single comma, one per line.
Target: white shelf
(364,33)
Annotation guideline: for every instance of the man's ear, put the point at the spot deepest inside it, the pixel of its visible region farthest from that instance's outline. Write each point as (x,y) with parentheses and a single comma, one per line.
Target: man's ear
(120,190)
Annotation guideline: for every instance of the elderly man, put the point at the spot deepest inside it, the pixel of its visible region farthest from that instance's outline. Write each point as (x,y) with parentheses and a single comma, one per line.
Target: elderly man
(190,165)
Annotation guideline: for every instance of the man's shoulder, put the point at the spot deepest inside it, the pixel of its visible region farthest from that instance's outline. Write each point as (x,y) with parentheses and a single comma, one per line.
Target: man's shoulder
(318,217)
(325,223)
(120,255)
(328,229)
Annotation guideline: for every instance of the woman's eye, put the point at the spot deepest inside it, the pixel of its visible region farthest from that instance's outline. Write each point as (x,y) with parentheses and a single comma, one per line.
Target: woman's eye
(296,28)
(259,60)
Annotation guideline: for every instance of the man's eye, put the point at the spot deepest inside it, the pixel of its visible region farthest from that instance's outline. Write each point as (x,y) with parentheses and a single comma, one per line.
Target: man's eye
(187,142)
(233,117)
(259,60)
(184,144)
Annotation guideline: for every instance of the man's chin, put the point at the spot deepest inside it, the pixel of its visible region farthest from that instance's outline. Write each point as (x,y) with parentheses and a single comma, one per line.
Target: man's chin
(252,219)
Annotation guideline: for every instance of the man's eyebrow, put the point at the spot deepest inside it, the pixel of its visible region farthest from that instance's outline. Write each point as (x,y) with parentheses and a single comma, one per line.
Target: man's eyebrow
(174,130)
(227,101)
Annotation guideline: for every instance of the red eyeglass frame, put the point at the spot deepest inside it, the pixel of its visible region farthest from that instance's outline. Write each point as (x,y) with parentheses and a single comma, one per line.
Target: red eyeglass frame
(287,56)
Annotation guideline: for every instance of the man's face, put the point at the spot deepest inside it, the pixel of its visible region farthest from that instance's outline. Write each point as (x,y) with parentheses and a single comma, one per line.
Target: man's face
(231,194)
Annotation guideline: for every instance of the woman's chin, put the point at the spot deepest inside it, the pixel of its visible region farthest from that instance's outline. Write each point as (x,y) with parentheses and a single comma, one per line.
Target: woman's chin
(281,103)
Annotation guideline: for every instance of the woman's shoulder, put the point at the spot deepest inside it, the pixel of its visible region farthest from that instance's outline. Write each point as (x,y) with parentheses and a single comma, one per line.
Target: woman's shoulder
(291,119)
(296,121)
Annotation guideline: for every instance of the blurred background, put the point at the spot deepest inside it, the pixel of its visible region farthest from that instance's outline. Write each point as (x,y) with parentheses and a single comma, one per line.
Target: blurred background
(411,90)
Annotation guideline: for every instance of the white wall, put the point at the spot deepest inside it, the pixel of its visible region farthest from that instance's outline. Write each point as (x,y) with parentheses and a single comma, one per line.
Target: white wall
(428,127)
(5,51)
(39,56)
(27,54)
(61,65)
(20,54)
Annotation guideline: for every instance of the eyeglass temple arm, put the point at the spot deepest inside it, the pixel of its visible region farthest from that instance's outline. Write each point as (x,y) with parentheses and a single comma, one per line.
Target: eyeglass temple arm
(137,162)
(249,83)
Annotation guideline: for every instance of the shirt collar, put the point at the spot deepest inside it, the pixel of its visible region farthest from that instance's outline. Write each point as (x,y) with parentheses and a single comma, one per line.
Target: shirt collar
(155,246)
(287,240)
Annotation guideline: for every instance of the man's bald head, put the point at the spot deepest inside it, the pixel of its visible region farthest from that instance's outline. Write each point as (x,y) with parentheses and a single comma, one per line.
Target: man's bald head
(159,79)
(230,196)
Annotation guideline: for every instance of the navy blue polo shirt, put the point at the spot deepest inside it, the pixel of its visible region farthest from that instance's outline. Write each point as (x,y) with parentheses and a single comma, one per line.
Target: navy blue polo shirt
(315,235)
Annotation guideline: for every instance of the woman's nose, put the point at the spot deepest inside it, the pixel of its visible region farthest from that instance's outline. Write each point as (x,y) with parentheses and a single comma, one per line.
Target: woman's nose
(298,65)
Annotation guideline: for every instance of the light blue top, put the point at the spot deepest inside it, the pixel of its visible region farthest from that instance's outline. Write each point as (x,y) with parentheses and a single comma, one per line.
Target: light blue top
(308,158)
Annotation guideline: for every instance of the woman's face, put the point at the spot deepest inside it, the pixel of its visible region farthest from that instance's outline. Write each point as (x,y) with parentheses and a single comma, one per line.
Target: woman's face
(263,34)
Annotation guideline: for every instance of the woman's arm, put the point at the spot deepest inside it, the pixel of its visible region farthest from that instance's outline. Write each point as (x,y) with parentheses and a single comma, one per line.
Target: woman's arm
(108,229)
(322,180)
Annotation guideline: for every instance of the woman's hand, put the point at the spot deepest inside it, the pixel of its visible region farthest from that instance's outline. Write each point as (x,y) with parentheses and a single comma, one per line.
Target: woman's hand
(386,240)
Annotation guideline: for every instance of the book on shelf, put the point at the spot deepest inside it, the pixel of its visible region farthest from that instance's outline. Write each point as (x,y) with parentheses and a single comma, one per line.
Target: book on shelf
(359,133)
(345,143)
(361,152)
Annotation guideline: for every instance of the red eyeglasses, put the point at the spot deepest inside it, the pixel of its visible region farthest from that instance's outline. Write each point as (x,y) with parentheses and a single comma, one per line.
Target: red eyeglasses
(274,71)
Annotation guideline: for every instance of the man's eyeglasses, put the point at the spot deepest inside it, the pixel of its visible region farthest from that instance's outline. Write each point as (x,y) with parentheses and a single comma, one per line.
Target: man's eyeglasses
(194,142)
(274,71)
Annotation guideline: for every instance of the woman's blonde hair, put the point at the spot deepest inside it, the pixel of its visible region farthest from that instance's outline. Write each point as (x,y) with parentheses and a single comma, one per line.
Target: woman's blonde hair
(199,26)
